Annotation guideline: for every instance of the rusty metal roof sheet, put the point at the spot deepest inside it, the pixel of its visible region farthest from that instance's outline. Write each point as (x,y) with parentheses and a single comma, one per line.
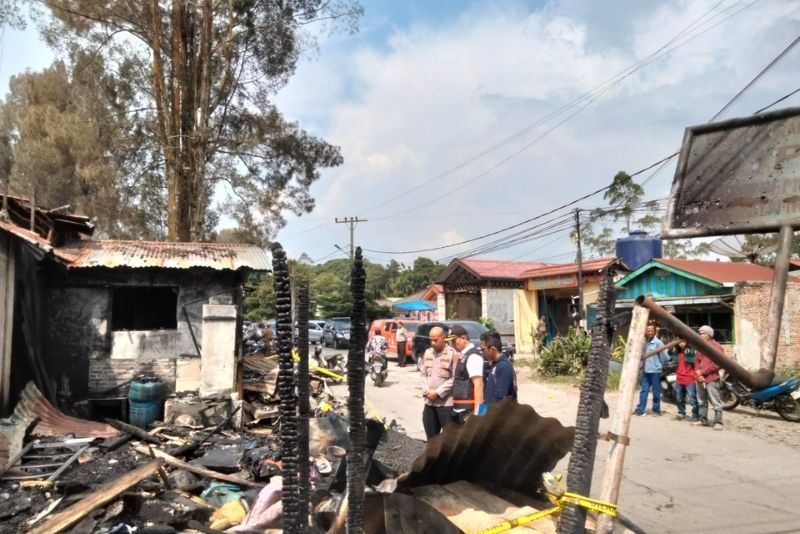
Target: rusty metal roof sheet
(139,254)
(52,422)
(723,272)
(509,447)
(568,268)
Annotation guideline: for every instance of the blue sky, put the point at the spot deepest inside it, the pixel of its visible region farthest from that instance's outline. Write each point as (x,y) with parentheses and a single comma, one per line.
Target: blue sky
(428,87)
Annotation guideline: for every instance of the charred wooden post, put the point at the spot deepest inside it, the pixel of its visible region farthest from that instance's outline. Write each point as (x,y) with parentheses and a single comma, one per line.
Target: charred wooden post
(581,462)
(303,403)
(286,385)
(356,475)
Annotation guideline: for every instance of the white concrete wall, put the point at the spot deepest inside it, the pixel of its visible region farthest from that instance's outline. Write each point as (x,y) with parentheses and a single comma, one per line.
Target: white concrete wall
(152,344)
(218,362)
(441,307)
(498,305)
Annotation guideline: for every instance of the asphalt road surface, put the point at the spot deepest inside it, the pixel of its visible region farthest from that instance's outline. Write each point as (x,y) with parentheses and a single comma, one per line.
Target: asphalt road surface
(677,478)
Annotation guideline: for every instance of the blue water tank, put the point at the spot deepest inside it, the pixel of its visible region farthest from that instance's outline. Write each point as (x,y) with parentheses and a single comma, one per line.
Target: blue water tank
(638,248)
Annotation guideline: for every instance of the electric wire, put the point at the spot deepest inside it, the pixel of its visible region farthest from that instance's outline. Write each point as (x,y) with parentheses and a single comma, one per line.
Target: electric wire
(638,66)
(589,95)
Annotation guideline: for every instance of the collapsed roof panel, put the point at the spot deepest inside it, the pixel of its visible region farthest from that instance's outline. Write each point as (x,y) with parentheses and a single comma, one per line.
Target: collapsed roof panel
(141,254)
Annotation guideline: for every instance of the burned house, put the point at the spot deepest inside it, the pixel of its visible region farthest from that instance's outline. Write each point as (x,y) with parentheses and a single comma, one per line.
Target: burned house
(83,317)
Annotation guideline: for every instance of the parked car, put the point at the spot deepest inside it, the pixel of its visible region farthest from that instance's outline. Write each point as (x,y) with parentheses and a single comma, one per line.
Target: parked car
(389,331)
(336,332)
(315,327)
(422,340)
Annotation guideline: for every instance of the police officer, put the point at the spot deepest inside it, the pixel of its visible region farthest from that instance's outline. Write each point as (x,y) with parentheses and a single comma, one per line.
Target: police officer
(438,366)
(501,381)
(468,381)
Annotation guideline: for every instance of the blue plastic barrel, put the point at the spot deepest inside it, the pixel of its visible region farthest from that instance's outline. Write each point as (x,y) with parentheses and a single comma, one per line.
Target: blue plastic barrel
(638,248)
(142,414)
(146,401)
(147,389)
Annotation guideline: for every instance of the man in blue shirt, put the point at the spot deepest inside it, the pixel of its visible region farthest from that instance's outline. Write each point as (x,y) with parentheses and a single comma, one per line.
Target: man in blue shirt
(651,377)
(501,381)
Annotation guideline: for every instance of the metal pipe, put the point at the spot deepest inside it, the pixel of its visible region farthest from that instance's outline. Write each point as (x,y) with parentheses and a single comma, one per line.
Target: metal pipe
(777,297)
(758,380)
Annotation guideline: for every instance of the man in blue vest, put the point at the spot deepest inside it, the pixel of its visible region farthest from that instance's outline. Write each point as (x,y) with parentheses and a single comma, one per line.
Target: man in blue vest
(651,377)
(502,380)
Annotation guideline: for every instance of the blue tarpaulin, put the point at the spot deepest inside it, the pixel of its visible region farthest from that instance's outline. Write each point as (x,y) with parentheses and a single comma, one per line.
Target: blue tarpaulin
(414,305)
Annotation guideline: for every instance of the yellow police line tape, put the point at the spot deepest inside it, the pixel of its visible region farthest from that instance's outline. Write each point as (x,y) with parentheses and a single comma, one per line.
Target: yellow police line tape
(573,498)
(343,378)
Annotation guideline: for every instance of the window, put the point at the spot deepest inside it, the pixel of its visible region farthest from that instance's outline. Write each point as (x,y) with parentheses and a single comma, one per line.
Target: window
(144,308)
(721,320)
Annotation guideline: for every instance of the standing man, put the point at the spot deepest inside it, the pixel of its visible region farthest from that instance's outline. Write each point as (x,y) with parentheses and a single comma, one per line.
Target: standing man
(267,337)
(401,338)
(468,382)
(438,367)
(683,354)
(651,377)
(541,333)
(501,381)
(707,373)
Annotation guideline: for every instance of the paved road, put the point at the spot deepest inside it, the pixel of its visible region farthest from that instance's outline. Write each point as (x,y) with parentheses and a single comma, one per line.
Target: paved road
(678,478)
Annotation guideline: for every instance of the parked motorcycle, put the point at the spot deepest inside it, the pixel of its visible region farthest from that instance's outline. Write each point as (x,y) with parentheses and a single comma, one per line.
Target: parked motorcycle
(332,362)
(782,396)
(378,368)
(669,382)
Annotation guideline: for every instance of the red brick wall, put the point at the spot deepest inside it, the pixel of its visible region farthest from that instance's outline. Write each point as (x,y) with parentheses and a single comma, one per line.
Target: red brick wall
(750,318)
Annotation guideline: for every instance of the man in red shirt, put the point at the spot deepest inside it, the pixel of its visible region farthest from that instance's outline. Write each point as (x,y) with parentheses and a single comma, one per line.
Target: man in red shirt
(685,385)
(707,373)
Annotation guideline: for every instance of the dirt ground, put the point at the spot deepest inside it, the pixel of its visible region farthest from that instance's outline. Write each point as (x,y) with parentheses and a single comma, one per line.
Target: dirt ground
(678,478)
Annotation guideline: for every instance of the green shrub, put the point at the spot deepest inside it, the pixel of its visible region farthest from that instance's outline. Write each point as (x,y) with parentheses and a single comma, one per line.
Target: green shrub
(488,322)
(618,348)
(565,355)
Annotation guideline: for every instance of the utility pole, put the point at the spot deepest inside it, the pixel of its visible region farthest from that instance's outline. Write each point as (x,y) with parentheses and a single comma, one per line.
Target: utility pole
(351,222)
(580,264)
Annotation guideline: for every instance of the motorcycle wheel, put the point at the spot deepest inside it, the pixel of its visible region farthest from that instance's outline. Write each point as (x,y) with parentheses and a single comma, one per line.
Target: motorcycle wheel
(788,407)
(378,379)
(728,397)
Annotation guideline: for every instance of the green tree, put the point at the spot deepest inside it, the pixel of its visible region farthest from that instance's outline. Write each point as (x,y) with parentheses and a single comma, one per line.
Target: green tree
(627,211)
(66,143)
(259,297)
(200,78)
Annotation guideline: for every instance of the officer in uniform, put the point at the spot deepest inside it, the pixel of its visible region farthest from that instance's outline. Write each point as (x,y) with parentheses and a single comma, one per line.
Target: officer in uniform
(438,367)
(468,381)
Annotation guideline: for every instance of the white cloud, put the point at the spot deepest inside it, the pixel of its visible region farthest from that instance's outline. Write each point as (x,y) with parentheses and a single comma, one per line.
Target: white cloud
(430,97)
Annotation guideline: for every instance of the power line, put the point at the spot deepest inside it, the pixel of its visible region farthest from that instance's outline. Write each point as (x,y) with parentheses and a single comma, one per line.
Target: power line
(758,76)
(606,86)
(568,204)
(781,99)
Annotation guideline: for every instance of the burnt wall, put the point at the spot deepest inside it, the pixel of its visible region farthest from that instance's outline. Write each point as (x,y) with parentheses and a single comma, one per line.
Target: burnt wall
(86,357)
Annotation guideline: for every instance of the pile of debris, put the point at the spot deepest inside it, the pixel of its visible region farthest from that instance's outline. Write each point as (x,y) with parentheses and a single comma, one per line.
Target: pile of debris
(62,473)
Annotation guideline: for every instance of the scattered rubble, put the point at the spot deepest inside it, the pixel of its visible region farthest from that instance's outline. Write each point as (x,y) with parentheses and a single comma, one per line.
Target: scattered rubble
(216,465)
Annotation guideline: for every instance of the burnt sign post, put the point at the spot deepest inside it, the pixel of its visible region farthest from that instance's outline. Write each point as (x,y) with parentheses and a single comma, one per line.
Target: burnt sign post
(742,176)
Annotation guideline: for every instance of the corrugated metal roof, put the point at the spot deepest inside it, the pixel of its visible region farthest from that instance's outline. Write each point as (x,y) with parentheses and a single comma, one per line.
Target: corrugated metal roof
(568,268)
(52,422)
(140,254)
(500,268)
(722,272)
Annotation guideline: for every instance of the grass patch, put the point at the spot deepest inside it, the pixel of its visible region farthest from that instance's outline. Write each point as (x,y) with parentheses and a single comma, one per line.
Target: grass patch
(612,382)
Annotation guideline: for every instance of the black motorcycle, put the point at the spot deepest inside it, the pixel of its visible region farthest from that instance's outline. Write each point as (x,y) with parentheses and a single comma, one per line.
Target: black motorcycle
(669,381)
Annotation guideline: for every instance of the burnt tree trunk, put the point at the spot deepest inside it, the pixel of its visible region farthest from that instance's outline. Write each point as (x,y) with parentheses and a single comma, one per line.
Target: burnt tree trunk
(303,403)
(288,405)
(356,458)
(581,462)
